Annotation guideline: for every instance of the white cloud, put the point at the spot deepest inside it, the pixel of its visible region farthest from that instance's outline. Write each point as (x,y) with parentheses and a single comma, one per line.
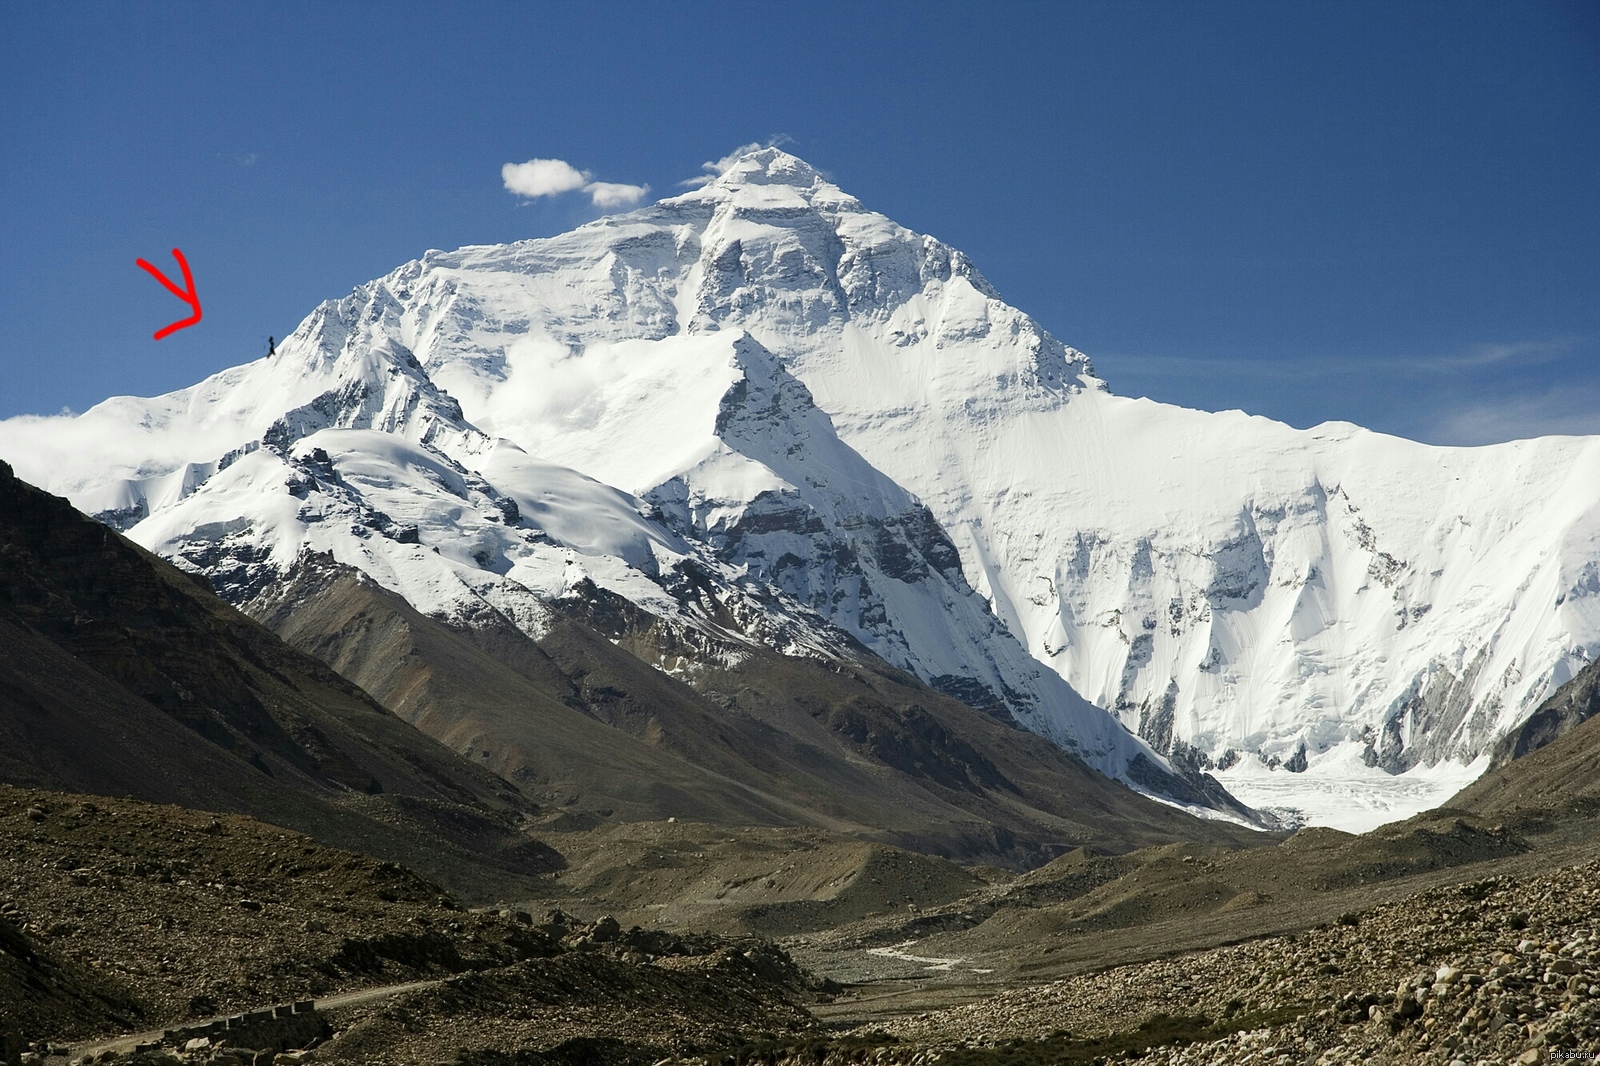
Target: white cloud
(542,177)
(551,177)
(1527,353)
(614,194)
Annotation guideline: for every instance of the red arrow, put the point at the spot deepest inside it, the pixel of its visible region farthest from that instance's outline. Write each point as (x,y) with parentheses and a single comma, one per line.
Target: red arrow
(185,294)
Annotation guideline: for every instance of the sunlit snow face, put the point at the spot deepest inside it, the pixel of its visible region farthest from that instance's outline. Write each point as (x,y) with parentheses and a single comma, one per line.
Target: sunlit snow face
(630,413)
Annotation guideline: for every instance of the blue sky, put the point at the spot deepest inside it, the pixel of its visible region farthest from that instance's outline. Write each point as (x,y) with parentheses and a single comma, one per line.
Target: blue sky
(1384,213)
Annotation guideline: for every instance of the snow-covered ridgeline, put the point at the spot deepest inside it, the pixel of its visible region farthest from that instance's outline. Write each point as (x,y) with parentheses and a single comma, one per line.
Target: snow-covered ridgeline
(375,466)
(340,445)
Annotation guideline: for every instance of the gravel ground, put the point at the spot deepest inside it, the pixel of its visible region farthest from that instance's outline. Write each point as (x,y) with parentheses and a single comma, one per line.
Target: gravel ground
(1492,971)
(170,915)
(180,913)
(1503,970)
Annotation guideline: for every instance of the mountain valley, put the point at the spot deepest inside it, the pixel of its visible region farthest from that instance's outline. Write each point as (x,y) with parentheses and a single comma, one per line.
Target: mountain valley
(1465,931)
(756,924)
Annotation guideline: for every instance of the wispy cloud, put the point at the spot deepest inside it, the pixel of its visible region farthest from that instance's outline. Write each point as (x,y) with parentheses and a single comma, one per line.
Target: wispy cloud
(552,177)
(1496,356)
(1559,411)
(1478,394)
(715,168)
(1517,353)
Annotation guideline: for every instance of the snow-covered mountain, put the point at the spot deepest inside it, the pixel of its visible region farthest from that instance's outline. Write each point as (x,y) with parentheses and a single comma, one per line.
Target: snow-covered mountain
(753,523)
(841,426)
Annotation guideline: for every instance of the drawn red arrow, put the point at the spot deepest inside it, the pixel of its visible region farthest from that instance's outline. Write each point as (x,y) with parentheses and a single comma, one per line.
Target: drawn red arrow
(186,294)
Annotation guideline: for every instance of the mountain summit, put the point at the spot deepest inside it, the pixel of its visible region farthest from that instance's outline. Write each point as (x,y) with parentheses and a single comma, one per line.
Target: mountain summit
(771,417)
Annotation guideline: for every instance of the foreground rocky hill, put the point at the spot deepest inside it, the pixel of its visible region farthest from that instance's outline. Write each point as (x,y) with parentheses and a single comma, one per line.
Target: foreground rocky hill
(119,916)
(120,675)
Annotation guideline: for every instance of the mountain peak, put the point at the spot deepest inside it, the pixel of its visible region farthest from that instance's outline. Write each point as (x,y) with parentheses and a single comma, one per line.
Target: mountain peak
(769,166)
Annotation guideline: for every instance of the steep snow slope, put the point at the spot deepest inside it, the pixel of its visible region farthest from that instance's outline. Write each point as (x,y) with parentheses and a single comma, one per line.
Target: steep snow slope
(129,456)
(1222,583)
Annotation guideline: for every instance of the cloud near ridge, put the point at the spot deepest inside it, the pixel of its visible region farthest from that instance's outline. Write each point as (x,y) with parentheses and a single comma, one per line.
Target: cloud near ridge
(614,194)
(552,177)
(1561,411)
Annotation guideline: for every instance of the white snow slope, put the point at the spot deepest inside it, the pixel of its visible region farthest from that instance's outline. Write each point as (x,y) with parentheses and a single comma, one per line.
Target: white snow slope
(810,397)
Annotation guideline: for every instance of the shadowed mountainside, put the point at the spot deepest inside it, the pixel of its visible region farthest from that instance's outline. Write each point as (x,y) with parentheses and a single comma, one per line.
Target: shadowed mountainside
(583,718)
(1567,708)
(120,675)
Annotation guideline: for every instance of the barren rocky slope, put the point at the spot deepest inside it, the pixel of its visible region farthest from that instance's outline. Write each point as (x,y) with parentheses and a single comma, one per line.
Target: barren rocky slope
(591,715)
(120,675)
(142,917)
(1485,971)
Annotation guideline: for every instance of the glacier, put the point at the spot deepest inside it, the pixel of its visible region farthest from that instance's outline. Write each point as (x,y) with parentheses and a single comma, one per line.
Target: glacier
(844,425)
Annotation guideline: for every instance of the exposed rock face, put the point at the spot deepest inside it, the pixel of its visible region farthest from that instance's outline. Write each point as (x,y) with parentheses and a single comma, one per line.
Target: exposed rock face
(1573,704)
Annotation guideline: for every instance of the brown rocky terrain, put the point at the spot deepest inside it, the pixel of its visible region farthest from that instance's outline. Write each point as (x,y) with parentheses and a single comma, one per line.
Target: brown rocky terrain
(121,916)
(1448,937)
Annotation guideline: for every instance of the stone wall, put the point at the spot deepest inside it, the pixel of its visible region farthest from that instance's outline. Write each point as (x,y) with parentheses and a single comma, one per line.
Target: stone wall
(288,1025)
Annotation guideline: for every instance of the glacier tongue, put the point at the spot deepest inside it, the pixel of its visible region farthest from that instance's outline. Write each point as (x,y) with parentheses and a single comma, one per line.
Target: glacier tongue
(764,380)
